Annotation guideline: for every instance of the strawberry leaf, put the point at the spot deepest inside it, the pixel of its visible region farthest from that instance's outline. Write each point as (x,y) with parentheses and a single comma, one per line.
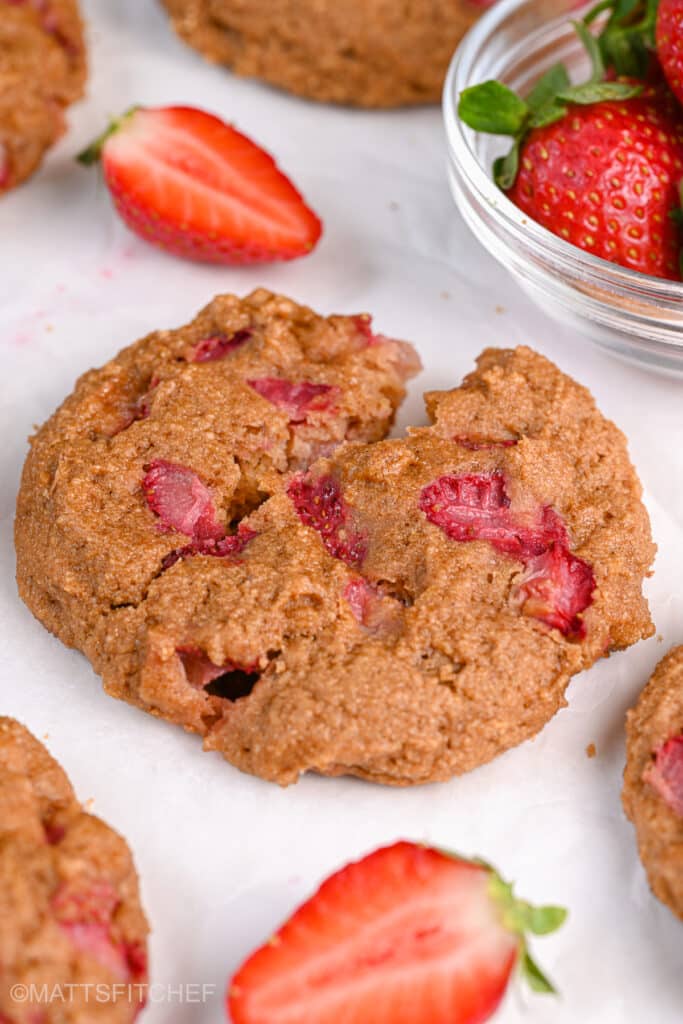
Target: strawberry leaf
(599,92)
(548,87)
(505,167)
(492,107)
(534,976)
(544,920)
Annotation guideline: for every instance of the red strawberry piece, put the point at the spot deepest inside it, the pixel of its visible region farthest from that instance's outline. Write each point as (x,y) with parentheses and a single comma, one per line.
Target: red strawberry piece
(407,935)
(320,504)
(53,833)
(229,546)
(558,586)
(362,598)
(374,611)
(297,398)
(363,322)
(665,773)
(474,507)
(181,501)
(605,178)
(669,41)
(84,911)
(91,902)
(217,346)
(193,185)
(480,444)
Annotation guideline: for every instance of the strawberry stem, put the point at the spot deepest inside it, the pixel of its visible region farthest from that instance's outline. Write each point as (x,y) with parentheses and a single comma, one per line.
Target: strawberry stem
(92,153)
(627,41)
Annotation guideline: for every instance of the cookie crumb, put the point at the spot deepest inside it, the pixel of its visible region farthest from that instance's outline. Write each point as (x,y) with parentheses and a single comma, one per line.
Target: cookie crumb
(500,309)
(591,750)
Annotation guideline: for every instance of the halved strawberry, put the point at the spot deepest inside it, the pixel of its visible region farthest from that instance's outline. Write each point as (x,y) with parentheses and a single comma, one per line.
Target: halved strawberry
(195,186)
(407,935)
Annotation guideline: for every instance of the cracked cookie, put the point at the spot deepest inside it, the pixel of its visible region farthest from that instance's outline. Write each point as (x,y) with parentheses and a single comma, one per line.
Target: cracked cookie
(42,71)
(402,610)
(161,453)
(653,779)
(70,914)
(368,53)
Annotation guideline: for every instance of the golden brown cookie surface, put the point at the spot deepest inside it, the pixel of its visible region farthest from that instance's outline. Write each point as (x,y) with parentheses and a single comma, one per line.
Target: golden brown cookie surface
(369,53)
(42,71)
(70,914)
(653,778)
(402,610)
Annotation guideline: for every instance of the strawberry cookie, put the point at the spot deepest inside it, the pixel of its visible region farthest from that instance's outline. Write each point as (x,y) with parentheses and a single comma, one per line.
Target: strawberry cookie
(369,53)
(653,779)
(42,71)
(402,610)
(155,460)
(70,914)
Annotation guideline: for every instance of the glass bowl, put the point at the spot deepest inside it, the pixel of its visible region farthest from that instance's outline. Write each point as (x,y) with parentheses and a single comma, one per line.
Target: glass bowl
(635,315)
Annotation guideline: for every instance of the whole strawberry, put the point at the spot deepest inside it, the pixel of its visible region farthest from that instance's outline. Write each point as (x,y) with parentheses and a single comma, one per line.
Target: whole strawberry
(187,182)
(407,935)
(597,164)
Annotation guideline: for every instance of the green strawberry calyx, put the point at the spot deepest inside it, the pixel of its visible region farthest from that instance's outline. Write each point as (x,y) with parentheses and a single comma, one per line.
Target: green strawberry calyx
(92,153)
(521,918)
(627,41)
(495,109)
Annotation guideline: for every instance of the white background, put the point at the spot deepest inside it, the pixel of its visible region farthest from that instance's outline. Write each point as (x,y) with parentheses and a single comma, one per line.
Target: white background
(223,857)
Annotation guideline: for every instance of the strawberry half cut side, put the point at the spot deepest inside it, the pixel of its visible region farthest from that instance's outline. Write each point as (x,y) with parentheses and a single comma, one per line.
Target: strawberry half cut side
(193,185)
(407,935)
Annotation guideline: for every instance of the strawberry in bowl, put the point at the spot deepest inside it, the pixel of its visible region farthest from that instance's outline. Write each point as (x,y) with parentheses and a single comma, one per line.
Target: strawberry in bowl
(597,164)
